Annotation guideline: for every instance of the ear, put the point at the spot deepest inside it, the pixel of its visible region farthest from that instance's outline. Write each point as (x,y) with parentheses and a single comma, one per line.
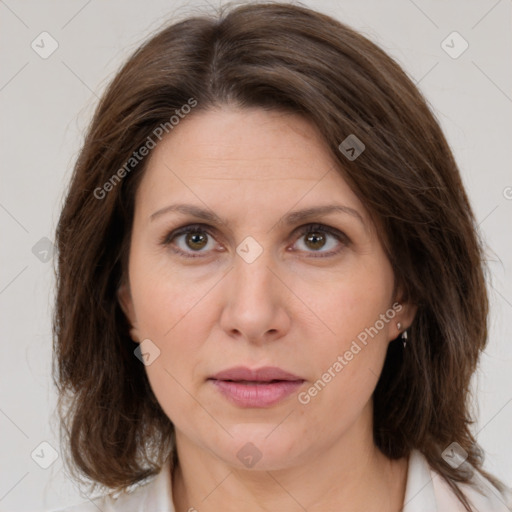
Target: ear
(405,313)
(124,297)
(405,316)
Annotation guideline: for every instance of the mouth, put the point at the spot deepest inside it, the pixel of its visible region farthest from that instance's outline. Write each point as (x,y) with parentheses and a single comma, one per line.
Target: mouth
(263,387)
(266,374)
(255,382)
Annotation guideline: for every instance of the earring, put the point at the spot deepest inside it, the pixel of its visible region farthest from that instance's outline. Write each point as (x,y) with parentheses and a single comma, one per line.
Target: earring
(404,338)
(403,335)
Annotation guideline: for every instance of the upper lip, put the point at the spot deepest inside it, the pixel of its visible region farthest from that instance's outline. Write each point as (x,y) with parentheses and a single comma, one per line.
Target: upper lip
(264,374)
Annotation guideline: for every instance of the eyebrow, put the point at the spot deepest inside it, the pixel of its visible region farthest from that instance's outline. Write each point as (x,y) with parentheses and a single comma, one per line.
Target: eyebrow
(290,218)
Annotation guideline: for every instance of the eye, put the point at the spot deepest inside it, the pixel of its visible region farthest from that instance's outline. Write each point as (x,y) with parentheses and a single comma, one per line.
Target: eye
(316,237)
(193,240)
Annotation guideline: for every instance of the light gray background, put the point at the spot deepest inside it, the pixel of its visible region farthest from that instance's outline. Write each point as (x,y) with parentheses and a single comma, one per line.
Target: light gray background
(46,105)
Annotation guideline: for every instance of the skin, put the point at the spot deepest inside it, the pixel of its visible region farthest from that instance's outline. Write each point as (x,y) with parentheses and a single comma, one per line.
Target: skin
(288,308)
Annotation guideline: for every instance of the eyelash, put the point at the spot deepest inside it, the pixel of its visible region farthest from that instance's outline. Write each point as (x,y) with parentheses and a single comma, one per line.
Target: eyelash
(303,230)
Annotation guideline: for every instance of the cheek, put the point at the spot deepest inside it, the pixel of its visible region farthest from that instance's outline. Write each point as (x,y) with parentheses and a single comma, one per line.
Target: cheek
(350,354)
(345,304)
(347,373)
(172,317)
(167,316)
(169,387)
(165,300)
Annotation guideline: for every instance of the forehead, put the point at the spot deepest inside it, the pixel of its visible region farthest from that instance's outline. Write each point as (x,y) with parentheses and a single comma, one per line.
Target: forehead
(262,140)
(266,157)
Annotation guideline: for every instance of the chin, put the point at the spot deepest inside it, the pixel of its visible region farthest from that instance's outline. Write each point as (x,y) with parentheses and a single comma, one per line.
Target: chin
(259,447)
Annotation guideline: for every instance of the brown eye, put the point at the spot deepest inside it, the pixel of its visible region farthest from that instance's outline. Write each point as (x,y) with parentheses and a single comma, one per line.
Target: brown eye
(316,237)
(196,241)
(315,240)
(191,241)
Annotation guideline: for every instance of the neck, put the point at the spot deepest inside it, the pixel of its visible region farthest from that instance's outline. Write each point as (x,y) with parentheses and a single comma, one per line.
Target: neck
(351,476)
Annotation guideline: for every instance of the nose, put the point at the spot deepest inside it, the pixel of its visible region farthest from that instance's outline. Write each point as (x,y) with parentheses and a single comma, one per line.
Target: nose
(256,301)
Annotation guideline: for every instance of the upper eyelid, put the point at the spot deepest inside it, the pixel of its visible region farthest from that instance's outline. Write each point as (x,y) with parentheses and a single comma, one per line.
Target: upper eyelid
(214,229)
(330,230)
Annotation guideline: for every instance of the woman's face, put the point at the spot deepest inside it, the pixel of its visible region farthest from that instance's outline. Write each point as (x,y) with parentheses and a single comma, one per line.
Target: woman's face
(255,290)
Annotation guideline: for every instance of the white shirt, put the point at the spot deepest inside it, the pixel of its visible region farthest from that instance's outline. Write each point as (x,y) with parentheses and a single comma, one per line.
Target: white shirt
(426,491)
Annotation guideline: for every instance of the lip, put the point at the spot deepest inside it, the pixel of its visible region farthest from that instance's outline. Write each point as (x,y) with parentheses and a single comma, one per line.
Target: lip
(262,387)
(264,374)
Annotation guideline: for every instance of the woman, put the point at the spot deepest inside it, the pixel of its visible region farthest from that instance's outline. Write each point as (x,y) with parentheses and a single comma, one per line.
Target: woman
(271,287)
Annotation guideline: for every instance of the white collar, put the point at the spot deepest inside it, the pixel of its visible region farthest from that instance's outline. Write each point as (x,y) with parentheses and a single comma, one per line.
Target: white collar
(419,490)
(426,491)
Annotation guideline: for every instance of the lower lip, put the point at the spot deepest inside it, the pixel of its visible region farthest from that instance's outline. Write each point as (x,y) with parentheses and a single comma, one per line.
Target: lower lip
(257,395)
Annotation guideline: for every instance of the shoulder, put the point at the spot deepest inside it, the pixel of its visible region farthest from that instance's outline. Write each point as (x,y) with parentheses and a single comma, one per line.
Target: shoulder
(153,494)
(128,502)
(480,492)
(428,491)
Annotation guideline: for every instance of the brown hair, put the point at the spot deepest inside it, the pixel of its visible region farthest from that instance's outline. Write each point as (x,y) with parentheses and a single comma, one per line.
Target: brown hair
(272,56)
